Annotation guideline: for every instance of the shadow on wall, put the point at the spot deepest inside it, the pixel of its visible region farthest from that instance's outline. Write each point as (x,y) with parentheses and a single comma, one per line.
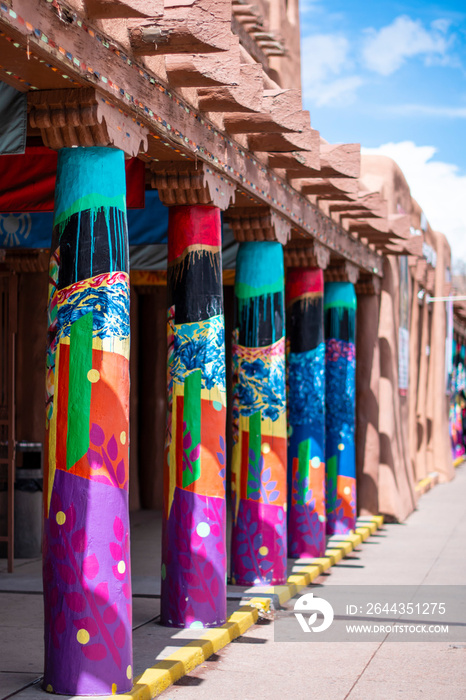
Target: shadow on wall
(386,360)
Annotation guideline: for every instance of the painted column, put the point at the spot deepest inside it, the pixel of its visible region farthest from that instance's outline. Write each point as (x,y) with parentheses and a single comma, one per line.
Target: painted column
(340,366)
(193,539)
(259,417)
(87,584)
(306,412)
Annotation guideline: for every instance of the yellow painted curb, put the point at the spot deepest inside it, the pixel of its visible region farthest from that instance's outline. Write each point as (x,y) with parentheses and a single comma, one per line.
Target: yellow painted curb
(364,532)
(423,485)
(355,539)
(342,545)
(335,554)
(159,677)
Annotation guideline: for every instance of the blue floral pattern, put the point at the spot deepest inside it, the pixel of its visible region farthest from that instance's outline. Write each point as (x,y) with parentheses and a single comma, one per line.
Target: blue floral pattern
(306,381)
(200,345)
(259,383)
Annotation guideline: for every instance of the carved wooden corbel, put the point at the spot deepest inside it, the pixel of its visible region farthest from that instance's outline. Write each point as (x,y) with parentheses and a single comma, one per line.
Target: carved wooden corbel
(187,182)
(258,224)
(306,253)
(342,271)
(84,117)
(368,284)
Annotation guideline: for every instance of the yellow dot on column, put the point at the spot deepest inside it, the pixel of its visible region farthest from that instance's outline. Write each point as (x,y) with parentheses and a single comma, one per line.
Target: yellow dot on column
(121,566)
(129,672)
(83,636)
(123,437)
(263,551)
(93,375)
(60,517)
(347,490)
(49,689)
(341,446)
(265,449)
(114,688)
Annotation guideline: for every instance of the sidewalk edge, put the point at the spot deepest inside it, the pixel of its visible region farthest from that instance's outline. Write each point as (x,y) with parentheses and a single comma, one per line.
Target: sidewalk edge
(163,674)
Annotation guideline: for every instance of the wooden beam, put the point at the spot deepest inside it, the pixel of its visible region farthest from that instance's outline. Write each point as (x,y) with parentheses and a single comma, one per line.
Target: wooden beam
(297,161)
(372,203)
(115,9)
(247,41)
(340,160)
(245,97)
(205,69)
(187,26)
(395,226)
(343,188)
(306,140)
(282,112)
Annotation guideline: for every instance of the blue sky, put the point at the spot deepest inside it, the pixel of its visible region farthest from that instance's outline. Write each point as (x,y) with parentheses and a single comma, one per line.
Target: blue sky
(392,76)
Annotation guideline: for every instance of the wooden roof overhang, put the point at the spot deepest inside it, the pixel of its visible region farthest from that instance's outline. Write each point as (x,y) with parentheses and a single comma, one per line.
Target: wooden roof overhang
(57,48)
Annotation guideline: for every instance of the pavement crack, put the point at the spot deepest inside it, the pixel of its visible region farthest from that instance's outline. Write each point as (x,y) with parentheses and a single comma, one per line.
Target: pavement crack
(366,666)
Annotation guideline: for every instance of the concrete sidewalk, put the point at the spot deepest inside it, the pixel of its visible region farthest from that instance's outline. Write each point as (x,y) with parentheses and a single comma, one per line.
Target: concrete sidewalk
(428,549)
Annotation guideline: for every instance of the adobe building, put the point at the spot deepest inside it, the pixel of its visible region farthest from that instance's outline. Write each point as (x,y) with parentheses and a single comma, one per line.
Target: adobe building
(168,214)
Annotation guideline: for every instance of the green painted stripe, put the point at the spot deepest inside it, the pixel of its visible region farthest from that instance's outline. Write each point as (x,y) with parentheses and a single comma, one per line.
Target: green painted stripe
(246,291)
(332,473)
(192,418)
(339,295)
(254,444)
(94,202)
(304,455)
(79,390)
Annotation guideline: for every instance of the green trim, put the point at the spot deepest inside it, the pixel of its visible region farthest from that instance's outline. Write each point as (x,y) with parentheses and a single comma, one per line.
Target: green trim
(332,474)
(94,202)
(246,291)
(192,418)
(304,456)
(255,444)
(79,390)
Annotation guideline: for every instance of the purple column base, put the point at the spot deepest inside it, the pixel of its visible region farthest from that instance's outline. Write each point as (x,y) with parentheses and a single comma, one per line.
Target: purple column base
(259,545)
(194,562)
(87,589)
(306,533)
(340,526)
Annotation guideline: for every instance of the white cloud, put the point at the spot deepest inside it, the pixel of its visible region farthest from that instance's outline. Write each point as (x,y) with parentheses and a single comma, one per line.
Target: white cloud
(323,58)
(428,111)
(324,55)
(438,187)
(385,51)
(309,6)
(340,90)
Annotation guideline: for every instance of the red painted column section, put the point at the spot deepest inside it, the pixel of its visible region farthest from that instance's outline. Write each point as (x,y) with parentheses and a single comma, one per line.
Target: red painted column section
(194,516)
